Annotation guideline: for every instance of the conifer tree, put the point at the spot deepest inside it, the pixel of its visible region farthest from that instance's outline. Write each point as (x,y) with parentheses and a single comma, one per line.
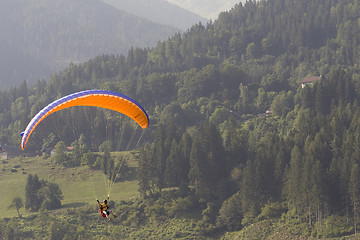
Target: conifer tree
(144,171)
(345,164)
(281,160)
(354,192)
(230,213)
(293,180)
(235,143)
(159,157)
(198,166)
(32,198)
(265,164)
(172,170)
(306,184)
(318,200)
(249,192)
(30,193)
(184,158)
(313,185)
(208,166)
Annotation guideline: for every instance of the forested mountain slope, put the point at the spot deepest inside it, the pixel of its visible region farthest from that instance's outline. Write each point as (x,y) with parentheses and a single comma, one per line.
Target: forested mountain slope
(41,37)
(231,166)
(159,11)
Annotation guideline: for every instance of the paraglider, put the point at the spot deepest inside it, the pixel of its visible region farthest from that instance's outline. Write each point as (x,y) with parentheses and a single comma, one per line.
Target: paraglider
(104,209)
(97,98)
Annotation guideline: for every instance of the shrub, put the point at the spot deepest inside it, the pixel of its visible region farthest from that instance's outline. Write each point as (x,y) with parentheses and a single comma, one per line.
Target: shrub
(271,210)
(180,206)
(89,158)
(155,213)
(335,226)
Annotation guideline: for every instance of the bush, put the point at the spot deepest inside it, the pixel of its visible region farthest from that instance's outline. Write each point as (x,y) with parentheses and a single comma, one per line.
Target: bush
(133,218)
(271,210)
(335,226)
(180,206)
(248,218)
(89,158)
(129,213)
(155,213)
(209,213)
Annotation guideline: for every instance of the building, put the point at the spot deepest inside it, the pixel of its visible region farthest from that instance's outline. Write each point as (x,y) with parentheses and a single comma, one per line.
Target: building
(310,80)
(7,152)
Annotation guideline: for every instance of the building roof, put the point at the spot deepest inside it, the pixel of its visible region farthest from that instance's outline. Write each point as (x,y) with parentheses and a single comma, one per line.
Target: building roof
(70,148)
(5,148)
(311,79)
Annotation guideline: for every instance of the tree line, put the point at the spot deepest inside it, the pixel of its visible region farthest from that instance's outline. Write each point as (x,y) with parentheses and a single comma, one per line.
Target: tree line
(201,64)
(204,91)
(41,194)
(303,162)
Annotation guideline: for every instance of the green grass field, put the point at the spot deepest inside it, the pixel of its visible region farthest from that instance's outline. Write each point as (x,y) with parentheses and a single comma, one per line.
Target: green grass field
(80,186)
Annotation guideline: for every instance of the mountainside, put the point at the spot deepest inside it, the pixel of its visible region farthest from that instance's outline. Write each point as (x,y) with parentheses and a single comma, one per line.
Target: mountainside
(237,147)
(159,11)
(41,37)
(207,8)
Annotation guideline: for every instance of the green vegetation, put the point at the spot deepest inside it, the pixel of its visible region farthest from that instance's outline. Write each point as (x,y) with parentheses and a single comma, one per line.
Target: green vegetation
(235,144)
(80,186)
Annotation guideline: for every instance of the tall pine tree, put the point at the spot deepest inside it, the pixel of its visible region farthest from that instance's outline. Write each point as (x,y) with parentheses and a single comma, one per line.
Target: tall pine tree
(354,192)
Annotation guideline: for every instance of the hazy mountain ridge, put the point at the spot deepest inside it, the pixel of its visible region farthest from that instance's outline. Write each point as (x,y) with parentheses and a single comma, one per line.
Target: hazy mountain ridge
(43,36)
(159,11)
(206,8)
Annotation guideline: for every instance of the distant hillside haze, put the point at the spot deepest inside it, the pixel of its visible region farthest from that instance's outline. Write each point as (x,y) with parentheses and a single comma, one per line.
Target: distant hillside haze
(40,37)
(209,9)
(159,11)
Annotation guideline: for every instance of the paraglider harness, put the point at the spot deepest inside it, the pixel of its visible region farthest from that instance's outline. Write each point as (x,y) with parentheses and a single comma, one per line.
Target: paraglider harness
(103,207)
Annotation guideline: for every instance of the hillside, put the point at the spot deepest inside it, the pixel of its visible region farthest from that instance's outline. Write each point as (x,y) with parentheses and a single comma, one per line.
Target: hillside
(42,37)
(236,146)
(159,11)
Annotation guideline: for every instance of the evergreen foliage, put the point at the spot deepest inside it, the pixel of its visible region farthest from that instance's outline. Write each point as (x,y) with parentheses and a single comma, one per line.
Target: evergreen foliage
(211,144)
(41,194)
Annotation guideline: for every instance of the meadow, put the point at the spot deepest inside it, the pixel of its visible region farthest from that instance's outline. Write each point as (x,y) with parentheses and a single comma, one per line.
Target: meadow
(80,185)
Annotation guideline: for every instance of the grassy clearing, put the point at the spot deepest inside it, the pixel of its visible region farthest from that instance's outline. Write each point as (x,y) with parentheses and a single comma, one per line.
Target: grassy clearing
(80,185)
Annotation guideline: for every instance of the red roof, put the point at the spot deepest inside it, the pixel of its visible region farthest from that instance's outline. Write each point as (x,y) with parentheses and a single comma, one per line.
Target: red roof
(311,79)
(70,148)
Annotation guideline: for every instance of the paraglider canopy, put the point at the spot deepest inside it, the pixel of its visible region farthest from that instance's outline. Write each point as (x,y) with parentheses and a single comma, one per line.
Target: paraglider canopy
(97,98)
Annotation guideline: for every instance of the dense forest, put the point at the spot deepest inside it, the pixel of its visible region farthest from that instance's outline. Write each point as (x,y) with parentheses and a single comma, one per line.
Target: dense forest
(209,142)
